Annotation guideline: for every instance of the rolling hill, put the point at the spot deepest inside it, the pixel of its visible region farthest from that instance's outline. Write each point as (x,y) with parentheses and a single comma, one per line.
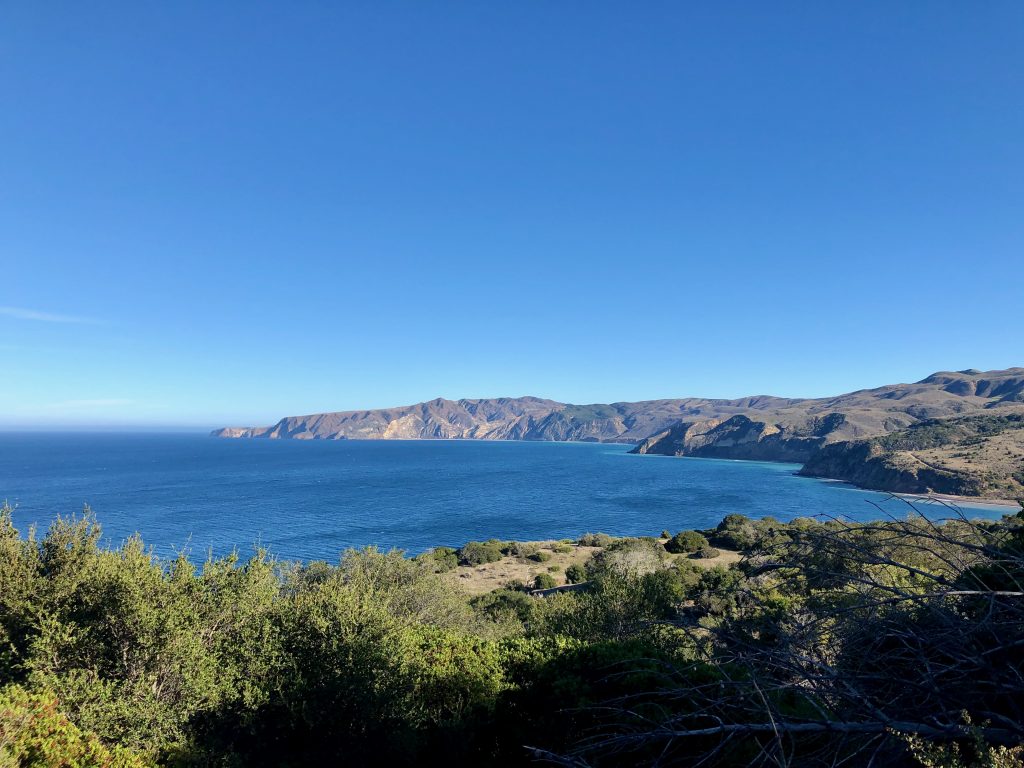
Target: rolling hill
(759,427)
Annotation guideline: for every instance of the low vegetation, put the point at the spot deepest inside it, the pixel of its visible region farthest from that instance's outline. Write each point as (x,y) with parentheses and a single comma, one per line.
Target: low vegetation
(979,455)
(706,553)
(828,643)
(477,552)
(685,542)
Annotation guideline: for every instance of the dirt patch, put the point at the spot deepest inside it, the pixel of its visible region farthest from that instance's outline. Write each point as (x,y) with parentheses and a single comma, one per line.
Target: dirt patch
(480,579)
(725,559)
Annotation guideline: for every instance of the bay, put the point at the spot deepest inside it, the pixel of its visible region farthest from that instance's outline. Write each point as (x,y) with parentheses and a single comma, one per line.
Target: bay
(312,499)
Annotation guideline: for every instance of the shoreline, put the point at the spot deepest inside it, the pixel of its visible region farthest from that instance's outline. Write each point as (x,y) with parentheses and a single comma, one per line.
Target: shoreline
(972,500)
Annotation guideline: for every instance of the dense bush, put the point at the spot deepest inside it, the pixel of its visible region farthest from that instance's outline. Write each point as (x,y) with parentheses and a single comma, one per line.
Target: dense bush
(575,574)
(685,542)
(631,557)
(34,732)
(443,559)
(735,532)
(510,603)
(480,552)
(706,552)
(539,556)
(561,548)
(595,540)
(544,581)
(806,653)
(520,548)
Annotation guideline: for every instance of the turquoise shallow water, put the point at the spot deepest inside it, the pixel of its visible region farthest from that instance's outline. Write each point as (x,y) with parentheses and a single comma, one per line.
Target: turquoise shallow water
(310,500)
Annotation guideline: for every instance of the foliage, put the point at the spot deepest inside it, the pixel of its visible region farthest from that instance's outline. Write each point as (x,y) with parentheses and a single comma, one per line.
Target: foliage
(480,552)
(972,753)
(33,731)
(933,433)
(575,573)
(706,552)
(812,650)
(633,557)
(544,581)
(595,540)
(443,559)
(520,548)
(735,532)
(512,603)
(685,542)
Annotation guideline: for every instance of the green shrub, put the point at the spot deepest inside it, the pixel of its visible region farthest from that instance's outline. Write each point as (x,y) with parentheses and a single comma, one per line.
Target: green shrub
(595,540)
(735,532)
(706,552)
(34,732)
(685,541)
(381,661)
(520,548)
(575,574)
(554,568)
(666,535)
(479,552)
(628,557)
(443,559)
(561,548)
(539,557)
(508,602)
(544,581)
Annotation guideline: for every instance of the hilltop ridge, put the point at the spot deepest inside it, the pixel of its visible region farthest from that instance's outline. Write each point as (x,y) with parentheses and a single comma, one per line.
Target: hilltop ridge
(759,427)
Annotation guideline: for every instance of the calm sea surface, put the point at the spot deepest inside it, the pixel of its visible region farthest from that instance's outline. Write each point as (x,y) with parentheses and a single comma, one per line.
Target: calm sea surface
(310,500)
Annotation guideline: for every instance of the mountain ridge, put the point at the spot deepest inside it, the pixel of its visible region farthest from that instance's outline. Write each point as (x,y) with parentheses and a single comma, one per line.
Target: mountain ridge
(944,393)
(758,427)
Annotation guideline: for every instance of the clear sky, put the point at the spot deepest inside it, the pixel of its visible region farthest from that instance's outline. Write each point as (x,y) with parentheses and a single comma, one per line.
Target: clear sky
(224,213)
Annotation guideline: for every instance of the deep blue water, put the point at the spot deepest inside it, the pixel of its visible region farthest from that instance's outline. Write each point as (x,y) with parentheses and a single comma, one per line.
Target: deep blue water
(310,500)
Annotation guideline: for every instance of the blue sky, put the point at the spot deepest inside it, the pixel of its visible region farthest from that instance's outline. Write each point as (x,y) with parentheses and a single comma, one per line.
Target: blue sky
(224,213)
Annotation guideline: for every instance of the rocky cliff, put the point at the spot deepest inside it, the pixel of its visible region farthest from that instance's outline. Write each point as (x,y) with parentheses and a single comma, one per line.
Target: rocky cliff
(981,455)
(741,437)
(794,431)
(801,430)
(520,418)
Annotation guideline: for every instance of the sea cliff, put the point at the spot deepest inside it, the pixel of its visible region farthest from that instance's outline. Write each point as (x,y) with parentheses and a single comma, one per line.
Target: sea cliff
(827,435)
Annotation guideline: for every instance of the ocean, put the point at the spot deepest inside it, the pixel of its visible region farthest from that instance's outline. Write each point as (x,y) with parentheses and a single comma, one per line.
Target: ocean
(310,500)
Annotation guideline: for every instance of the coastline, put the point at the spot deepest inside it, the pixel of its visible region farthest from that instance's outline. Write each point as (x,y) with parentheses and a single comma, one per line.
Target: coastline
(928,498)
(953,499)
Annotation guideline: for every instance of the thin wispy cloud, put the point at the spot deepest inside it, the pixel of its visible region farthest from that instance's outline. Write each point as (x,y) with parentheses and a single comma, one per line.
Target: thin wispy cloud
(20,313)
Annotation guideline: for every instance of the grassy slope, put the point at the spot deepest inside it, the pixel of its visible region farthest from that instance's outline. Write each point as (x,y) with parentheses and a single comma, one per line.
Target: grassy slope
(976,456)
(479,579)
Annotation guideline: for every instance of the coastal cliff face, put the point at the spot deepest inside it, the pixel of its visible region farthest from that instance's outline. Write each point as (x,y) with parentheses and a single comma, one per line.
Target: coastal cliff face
(798,430)
(866,464)
(521,418)
(789,426)
(968,456)
(825,434)
(741,437)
